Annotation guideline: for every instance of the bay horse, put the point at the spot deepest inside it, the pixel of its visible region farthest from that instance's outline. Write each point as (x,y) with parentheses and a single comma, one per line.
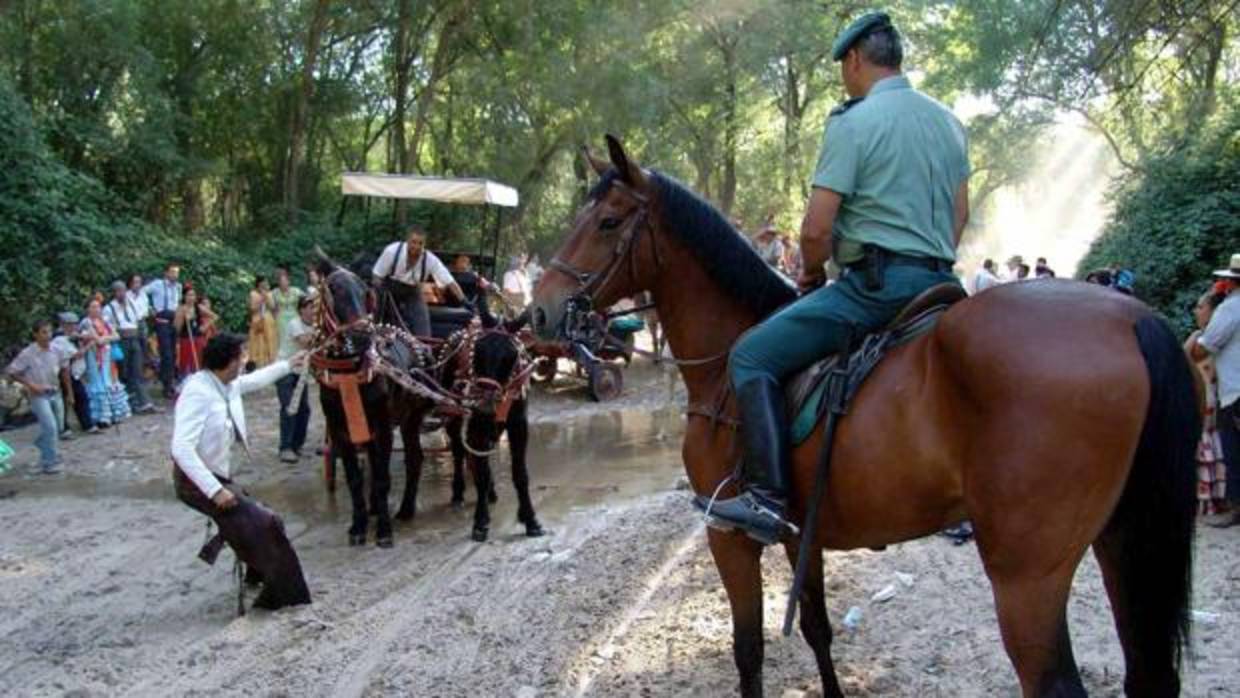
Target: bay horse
(1084,392)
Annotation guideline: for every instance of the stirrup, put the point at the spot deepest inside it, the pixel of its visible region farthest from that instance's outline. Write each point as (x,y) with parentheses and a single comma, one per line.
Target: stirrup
(775,530)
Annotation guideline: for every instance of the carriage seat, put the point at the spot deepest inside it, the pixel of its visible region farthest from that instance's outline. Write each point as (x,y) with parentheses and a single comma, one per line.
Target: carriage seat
(806,391)
(446,319)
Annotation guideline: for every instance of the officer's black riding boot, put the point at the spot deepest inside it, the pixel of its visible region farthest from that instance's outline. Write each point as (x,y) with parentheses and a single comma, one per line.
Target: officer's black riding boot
(759,510)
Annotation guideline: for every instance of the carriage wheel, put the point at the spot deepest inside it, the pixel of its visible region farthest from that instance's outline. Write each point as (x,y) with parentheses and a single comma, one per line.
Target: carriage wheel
(606,382)
(544,370)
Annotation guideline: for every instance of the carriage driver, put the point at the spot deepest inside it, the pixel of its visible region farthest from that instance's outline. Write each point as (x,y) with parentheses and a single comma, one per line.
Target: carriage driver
(890,191)
(402,268)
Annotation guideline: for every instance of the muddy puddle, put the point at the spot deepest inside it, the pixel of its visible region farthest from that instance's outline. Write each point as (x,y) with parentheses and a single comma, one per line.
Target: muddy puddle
(575,463)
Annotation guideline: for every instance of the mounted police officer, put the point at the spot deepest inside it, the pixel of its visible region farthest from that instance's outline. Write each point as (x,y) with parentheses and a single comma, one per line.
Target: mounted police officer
(401,270)
(891,197)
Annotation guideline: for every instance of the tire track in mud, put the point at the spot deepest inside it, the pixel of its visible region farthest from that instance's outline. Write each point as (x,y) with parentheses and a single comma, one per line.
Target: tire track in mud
(357,676)
(689,543)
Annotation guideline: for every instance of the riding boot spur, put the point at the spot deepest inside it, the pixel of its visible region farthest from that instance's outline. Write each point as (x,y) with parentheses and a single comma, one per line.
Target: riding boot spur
(759,510)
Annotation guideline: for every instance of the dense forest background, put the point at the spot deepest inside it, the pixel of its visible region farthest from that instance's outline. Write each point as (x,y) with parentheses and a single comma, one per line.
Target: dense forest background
(213,132)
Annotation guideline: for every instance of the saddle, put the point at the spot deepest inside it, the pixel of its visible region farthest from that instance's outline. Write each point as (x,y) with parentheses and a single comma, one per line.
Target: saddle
(807,390)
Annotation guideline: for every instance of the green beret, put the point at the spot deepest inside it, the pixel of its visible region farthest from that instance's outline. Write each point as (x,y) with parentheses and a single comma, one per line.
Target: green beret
(861,27)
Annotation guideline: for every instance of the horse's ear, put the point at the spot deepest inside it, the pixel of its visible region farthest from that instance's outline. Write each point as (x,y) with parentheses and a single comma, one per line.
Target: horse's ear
(599,165)
(629,171)
(514,325)
(324,264)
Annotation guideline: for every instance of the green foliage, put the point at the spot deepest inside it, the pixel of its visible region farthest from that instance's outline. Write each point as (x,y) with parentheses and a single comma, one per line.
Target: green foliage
(1177,221)
(199,129)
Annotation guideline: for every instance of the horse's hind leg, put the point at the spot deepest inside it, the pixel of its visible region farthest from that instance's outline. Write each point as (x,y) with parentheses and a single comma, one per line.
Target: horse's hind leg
(1031,597)
(410,434)
(518,439)
(1145,674)
(815,626)
(380,456)
(738,560)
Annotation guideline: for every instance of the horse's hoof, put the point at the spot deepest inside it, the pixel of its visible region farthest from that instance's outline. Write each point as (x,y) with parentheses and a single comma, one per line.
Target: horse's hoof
(458,504)
(357,539)
(534,530)
(480,534)
(384,541)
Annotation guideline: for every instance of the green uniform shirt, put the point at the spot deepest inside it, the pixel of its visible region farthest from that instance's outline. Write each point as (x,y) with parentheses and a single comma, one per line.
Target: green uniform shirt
(897,158)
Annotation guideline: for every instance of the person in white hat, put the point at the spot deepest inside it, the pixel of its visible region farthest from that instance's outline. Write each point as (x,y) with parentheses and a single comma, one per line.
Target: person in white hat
(1221,340)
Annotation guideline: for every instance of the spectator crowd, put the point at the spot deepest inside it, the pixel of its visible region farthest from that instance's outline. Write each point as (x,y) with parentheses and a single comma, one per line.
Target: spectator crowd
(96,365)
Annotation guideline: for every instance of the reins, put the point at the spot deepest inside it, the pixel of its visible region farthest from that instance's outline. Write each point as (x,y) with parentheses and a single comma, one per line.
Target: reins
(429,355)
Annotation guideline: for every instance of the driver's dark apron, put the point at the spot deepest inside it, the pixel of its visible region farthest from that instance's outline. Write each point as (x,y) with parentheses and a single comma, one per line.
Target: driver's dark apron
(408,297)
(411,306)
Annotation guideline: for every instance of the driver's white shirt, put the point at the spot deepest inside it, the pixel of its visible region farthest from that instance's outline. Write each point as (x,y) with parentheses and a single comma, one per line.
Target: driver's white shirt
(392,260)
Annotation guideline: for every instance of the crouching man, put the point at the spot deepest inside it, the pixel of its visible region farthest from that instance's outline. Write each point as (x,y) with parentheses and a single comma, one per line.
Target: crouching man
(209,418)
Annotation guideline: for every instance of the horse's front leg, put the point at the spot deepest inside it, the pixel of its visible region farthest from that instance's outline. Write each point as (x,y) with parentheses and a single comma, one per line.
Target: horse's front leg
(482,509)
(380,456)
(353,477)
(518,439)
(739,561)
(411,436)
(457,443)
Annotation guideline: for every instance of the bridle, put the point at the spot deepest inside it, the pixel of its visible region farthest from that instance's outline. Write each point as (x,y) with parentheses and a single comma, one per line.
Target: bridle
(326,320)
(589,282)
(468,392)
(479,390)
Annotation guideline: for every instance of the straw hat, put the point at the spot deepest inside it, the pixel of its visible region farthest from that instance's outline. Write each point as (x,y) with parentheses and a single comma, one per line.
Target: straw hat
(1233,270)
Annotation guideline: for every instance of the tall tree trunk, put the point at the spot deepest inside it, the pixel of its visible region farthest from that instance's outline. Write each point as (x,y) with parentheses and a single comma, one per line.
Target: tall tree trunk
(27,11)
(300,117)
(731,128)
(441,65)
(401,64)
(792,124)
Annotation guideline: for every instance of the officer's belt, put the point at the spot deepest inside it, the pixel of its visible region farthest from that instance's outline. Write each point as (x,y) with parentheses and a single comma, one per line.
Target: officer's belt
(896,259)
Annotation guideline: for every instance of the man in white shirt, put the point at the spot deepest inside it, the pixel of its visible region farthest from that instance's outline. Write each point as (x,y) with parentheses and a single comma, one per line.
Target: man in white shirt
(121,314)
(401,270)
(142,306)
(165,296)
(769,247)
(209,417)
(516,284)
(1014,263)
(985,277)
(1221,340)
(296,336)
(72,349)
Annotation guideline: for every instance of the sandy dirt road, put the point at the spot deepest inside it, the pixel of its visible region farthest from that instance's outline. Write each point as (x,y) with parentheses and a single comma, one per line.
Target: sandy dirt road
(101,595)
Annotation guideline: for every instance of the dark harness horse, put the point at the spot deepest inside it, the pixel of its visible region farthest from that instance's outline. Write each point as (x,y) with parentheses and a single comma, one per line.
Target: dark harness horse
(376,376)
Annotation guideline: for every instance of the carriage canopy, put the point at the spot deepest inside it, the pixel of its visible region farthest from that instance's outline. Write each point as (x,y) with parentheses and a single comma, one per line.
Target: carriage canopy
(453,191)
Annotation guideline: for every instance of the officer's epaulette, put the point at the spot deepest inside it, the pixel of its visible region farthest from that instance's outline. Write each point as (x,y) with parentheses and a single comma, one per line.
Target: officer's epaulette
(845,105)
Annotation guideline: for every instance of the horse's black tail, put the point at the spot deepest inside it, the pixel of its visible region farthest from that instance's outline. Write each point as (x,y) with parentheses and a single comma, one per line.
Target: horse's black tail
(1153,524)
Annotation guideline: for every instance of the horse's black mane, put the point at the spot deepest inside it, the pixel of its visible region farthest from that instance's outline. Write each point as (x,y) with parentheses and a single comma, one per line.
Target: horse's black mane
(725,254)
